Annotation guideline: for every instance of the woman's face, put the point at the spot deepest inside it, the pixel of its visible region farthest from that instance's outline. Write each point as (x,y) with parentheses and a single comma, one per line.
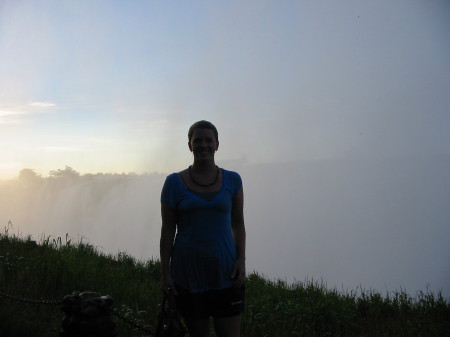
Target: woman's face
(203,144)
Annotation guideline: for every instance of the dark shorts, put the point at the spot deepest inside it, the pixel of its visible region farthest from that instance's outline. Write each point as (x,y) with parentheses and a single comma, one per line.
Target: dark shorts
(214,303)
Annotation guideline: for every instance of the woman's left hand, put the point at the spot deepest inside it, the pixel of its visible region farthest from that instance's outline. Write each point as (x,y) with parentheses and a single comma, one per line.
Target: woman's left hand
(238,274)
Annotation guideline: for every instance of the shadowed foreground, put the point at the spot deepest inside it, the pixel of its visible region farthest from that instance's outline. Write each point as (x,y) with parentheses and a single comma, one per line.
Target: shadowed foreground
(55,267)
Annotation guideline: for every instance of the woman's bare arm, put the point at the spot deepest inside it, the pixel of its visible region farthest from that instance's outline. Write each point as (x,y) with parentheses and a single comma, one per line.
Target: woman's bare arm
(238,226)
(168,228)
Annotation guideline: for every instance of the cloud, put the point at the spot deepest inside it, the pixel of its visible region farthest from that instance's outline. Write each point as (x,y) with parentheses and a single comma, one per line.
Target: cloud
(7,116)
(42,105)
(14,113)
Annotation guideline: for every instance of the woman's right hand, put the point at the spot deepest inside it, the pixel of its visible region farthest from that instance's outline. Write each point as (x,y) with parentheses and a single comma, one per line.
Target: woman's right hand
(167,285)
(168,229)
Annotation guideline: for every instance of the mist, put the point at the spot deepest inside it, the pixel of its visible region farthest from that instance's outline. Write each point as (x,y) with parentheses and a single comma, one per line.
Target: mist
(352,223)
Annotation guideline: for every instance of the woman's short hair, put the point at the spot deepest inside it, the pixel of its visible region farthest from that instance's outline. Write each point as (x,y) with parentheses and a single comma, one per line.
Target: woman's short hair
(202,125)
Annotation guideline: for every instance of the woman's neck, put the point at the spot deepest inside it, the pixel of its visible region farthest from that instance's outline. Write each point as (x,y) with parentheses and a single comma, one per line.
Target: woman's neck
(204,167)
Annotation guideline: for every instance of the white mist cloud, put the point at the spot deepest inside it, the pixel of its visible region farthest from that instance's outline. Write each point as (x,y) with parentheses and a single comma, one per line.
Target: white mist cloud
(377,223)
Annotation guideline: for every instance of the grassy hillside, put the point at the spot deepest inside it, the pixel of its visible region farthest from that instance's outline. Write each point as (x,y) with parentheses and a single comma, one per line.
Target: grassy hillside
(55,267)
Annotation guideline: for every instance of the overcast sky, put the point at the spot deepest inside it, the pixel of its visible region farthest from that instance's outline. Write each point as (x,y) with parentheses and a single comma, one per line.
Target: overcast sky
(112,86)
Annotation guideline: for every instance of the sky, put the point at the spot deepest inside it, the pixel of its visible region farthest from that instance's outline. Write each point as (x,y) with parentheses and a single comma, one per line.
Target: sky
(336,114)
(112,86)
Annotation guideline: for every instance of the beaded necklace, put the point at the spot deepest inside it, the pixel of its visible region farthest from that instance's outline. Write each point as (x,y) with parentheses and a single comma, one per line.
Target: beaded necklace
(204,185)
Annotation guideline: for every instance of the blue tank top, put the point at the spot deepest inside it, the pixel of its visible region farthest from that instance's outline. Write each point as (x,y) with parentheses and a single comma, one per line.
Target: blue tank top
(204,250)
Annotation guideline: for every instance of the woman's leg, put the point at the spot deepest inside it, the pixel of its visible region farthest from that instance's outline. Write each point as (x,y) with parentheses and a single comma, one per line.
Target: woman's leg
(198,327)
(193,310)
(228,326)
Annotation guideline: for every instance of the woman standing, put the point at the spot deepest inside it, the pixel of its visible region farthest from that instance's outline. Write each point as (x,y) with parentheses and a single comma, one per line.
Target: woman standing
(203,239)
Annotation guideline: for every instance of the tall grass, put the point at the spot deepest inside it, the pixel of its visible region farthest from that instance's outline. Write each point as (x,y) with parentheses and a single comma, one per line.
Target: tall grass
(55,267)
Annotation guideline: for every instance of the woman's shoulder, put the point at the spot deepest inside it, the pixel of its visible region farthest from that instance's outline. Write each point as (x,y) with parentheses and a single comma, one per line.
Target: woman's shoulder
(231,173)
(233,177)
(172,179)
(172,176)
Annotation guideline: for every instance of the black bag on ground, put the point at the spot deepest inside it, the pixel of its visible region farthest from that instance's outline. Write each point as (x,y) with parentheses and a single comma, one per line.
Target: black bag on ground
(169,322)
